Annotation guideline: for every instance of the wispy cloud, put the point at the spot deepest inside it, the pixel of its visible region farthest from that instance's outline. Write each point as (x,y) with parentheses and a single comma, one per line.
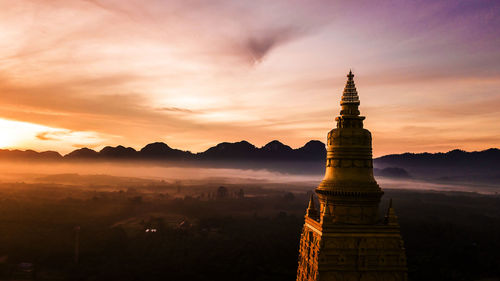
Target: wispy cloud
(47,136)
(177,109)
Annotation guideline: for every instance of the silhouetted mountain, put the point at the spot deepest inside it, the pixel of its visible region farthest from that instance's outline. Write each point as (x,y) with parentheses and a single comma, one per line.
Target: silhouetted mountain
(485,158)
(50,155)
(118,152)
(453,166)
(313,151)
(242,150)
(29,155)
(160,150)
(277,150)
(82,153)
(276,146)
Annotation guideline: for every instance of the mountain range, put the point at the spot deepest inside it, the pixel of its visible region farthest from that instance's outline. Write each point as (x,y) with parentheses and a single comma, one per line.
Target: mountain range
(453,166)
(241,151)
(456,166)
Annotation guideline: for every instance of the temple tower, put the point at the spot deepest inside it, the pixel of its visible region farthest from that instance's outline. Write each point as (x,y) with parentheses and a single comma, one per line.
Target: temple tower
(346,239)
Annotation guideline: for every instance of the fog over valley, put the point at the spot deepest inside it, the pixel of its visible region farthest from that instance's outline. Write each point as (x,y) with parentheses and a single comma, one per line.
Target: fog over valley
(117,174)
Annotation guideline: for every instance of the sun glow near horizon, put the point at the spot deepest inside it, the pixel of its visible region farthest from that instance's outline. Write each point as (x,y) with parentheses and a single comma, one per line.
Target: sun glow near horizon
(25,135)
(17,134)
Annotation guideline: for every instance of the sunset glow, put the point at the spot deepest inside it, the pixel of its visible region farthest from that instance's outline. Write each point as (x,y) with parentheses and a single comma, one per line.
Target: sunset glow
(14,133)
(25,135)
(196,73)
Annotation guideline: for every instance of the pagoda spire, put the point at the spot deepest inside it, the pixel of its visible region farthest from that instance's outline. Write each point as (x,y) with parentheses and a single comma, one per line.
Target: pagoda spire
(311,209)
(349,165)
(350,241)
(390,217)
(349,113)
(350,94)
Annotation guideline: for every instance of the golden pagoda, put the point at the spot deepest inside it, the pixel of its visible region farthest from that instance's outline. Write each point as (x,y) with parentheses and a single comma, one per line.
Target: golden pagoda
(346,239)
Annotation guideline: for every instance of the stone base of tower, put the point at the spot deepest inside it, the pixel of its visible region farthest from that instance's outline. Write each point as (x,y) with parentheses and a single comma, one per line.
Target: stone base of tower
(351,252)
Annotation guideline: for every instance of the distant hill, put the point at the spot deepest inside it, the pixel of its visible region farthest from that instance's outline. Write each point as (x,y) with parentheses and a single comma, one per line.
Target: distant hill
(453,166)
(118,152)
(454,158)
(242,150)
(29,155)
(82,153)
(160,150)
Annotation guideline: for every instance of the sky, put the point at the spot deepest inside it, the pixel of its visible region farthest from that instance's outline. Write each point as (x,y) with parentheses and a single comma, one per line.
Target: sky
(194,73)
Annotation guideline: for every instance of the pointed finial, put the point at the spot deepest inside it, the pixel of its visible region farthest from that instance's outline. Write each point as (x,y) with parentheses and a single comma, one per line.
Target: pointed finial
(350,94)
(311,203)
(390,217)
(311,209)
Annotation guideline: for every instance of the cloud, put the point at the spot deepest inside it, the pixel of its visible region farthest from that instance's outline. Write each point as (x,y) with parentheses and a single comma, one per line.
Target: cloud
(47,136)
(259,45)
(177,109)
(58,135)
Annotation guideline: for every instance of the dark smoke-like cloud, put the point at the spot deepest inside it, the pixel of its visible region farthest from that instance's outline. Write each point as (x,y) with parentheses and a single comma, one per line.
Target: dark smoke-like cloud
(258,46)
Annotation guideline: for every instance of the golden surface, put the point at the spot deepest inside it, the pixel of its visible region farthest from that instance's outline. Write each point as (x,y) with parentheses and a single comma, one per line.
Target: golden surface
(347,240)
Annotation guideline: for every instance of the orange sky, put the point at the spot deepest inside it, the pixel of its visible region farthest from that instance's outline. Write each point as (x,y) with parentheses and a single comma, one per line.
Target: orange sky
(195,73)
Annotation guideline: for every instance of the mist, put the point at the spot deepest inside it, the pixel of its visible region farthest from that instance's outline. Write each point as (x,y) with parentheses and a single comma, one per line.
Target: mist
(123,173)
